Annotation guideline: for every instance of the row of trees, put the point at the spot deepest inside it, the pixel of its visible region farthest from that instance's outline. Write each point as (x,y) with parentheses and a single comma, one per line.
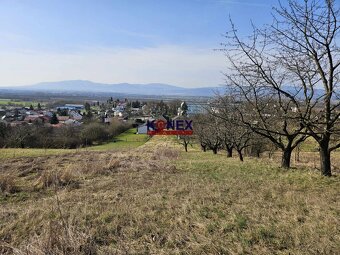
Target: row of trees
(216,132)
(40,136)
(158,108)
(284,80)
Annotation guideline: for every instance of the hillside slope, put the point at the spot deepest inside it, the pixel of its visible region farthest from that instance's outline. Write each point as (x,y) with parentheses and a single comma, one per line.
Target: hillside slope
(156,199)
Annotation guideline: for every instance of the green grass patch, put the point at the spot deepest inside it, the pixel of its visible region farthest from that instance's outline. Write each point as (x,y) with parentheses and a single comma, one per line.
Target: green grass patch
(29,152)
(13,102)
(128,139)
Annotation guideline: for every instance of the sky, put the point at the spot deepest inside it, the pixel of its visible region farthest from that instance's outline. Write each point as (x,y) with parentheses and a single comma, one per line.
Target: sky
(118,41)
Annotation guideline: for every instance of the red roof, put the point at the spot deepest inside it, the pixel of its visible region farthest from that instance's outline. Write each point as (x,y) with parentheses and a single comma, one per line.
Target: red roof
(63,118)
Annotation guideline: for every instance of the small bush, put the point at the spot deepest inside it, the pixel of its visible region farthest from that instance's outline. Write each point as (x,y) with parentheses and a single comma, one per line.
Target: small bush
(116,128)
(93,132)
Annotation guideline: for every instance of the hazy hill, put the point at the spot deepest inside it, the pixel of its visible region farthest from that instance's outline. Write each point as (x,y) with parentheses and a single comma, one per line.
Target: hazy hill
(125,88)
(151,89)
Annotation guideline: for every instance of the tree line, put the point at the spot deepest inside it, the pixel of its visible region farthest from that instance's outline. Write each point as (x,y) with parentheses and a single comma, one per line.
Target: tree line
(283,84)
(38,135)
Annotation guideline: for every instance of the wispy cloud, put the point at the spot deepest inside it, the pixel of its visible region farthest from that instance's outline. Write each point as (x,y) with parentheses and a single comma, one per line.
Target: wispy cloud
(136,34)
(185,66)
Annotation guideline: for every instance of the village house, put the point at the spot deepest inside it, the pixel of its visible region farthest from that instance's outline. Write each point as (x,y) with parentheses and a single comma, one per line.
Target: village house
(37,119)
(74,106)
(62,119)
(72,122)
(142,129)
(31,112)
(75,115)
(47,113)
(2,112)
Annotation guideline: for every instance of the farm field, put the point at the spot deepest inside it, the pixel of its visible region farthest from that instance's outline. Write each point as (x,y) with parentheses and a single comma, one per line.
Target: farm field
(17,102)
(157,199)
(125,140)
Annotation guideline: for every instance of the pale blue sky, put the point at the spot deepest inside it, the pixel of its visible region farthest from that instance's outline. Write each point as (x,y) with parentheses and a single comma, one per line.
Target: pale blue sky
(112,41)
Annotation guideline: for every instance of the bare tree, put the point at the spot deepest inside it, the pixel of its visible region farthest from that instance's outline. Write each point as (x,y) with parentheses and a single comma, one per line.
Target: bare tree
(313,56)
(207,130)
(19,136)
(216,133)
(259,145)
(185,140)
(226,135)
(263,114)
(242,138)
(199,131)
(289,72)
(234,135)
(4,130)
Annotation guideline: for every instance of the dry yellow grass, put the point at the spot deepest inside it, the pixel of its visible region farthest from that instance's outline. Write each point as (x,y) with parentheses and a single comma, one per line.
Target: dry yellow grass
(156,199)
(7,184)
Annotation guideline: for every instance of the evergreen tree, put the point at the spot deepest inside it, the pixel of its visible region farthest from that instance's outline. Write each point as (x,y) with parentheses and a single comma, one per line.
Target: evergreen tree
(54,119)
(135,104)
(87,107)
(62,112)
(16,112)
(184,109)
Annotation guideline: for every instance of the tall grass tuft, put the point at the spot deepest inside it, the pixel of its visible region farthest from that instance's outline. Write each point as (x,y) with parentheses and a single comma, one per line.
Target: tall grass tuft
(7,184)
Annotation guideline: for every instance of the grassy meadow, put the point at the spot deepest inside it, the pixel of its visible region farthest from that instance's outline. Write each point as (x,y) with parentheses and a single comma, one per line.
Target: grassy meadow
(157,199)
(12,102)
(31,152)
(126,140)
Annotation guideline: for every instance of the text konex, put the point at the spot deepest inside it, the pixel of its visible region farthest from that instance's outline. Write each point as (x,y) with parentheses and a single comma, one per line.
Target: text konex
(170,127)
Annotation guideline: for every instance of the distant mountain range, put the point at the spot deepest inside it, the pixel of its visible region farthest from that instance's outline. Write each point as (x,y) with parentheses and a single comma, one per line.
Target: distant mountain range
(153,89)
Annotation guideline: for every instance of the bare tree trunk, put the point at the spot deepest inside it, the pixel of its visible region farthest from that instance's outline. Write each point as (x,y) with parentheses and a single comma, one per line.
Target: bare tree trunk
(240,155)
(214,150)
(325,159)
(286,156)
(229,152)
(186,147)
(204,148)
